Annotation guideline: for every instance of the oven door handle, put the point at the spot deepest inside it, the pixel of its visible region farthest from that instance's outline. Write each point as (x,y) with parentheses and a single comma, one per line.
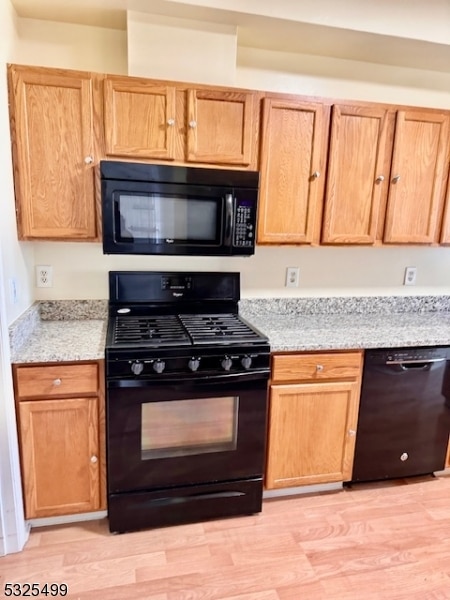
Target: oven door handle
(256,375)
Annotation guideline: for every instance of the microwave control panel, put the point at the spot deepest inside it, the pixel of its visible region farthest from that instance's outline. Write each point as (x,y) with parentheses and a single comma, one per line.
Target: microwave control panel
(244,223)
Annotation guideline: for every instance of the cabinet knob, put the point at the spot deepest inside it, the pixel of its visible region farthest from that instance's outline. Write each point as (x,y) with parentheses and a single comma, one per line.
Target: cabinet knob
(404,456)
(57,381)
(319,368)
(88,160)
(379,179)
(192,124)
(315,175)
(94,459)
(396,179)
(171,122)
(351,432)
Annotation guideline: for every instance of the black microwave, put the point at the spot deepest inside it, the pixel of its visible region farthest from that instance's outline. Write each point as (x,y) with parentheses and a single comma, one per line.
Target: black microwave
(161,209)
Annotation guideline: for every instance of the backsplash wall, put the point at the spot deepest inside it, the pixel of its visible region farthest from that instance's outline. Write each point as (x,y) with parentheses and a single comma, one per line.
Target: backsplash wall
(80,270)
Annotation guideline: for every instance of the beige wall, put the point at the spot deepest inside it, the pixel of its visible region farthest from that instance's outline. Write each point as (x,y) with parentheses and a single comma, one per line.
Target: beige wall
(15,260)
(18,258)
(50,44)
(80,270)
(204,52)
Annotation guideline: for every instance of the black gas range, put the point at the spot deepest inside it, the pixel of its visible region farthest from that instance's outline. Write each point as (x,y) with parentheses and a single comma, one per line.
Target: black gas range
(186,390)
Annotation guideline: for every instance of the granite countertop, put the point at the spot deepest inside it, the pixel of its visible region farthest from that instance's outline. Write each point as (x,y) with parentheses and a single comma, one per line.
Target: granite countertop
(350,331)
(76,330)
(60,331)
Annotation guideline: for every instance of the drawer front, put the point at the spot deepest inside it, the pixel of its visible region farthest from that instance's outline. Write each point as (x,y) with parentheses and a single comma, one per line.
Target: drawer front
(316,367)
(56,380)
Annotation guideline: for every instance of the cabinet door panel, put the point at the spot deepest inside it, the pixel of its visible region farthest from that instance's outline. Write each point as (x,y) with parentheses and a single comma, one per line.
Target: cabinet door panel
(221,127)
(293,149)
(311,433)
(418,175)
(53,141)
(60,450)
(140,118)
(358,174)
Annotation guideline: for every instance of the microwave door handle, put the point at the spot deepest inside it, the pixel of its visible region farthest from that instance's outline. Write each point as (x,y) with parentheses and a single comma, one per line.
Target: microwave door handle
(228,219)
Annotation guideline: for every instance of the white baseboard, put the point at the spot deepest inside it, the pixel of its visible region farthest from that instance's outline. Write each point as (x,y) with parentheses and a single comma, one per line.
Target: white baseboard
(303,489)
(64,519)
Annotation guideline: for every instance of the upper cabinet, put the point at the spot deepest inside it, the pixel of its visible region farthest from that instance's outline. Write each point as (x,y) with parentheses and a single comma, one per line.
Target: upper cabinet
(418,176)
(293,157)
(54,140)
(222,127)
(358,174)
(158,120)
(386,175)
(140,118)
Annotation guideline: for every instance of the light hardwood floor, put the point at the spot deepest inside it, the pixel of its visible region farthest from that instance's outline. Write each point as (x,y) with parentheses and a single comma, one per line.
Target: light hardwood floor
(387,540)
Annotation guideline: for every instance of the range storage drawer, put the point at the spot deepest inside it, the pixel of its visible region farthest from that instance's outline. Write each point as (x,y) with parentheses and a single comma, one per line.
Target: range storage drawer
(56,380)
(316,366)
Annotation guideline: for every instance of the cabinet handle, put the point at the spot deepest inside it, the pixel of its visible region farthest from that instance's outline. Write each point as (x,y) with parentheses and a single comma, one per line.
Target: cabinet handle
(396,179)
(94,459)
(192,124)
(319,368)
(89,160)
(379,179)
(57,381)
(315,175)
(171,122)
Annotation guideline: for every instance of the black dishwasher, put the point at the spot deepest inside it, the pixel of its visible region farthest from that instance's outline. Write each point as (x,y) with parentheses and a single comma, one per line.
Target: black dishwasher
(404,413)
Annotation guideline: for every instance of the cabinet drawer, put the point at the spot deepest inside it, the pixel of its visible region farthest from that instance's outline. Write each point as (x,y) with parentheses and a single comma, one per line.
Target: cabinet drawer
(56,380)
(317,366)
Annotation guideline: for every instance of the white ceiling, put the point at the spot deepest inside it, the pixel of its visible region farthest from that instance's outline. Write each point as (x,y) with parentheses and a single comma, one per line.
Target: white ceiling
(393,32)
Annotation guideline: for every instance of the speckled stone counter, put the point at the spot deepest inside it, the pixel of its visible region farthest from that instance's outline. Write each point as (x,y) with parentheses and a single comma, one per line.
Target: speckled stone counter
(60,331)
(346,323)
(70,330)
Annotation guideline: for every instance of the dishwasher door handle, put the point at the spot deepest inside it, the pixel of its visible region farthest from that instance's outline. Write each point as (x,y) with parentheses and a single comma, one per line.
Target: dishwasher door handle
(416,365)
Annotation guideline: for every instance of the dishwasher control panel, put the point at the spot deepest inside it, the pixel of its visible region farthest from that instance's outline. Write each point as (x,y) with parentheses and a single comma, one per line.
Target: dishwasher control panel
(399,355)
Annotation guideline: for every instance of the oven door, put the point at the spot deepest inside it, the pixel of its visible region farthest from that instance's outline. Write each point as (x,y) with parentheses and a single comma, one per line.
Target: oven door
(188,431)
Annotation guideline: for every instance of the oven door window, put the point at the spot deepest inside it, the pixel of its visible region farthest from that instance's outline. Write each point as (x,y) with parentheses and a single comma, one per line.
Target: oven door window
(187,427)
(161,218)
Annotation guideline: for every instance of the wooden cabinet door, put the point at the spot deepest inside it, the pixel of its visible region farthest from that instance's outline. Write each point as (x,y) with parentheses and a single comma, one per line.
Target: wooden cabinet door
(52,123)
(358,174)
(140,118)
(445,232)
(60,456)
(293,155)
(312,429)
(222,127)
(418,176)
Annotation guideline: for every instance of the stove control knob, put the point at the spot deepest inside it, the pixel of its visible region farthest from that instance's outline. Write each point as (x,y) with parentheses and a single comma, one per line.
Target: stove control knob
(246,362)
(226,363)
(194,364)
(137,367)
(159,366)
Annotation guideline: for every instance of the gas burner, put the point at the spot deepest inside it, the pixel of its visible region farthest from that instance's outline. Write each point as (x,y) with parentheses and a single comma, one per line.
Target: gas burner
(219,329)
(165,330)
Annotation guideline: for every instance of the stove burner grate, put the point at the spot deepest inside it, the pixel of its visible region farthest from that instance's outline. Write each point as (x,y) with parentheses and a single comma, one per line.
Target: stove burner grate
(156,331)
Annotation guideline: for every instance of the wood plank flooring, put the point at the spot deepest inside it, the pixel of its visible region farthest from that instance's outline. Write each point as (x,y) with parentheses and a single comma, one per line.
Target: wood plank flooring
(380,541)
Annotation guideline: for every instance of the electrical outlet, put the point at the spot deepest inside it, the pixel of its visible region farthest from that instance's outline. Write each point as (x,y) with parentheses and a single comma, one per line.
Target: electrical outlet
(292,276)
(13,290)
(410,276)
(44,276)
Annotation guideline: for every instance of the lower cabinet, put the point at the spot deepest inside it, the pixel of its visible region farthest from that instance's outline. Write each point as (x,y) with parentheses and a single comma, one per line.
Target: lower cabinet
(314,400)
(61,437)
